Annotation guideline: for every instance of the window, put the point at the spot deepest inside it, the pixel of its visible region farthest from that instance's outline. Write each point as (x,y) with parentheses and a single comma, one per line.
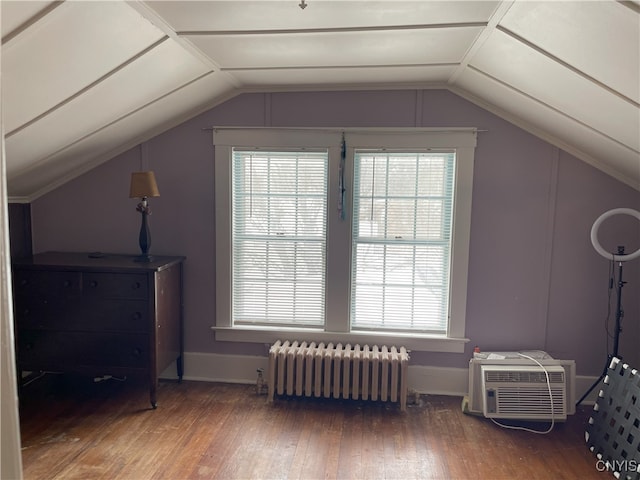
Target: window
(279,237)
(401,240)
(383,262)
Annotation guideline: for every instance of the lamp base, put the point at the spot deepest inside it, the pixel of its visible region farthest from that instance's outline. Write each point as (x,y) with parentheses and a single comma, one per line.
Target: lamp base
(145,235)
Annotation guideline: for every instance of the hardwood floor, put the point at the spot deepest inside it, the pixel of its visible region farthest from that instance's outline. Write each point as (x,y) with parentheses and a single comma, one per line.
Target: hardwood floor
(73,428)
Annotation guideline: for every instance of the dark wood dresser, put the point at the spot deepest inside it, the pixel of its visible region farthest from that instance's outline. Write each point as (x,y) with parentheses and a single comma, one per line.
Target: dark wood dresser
(99,314)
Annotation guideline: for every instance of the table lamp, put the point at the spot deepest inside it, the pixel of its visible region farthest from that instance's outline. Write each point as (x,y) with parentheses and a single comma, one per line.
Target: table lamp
(143,186)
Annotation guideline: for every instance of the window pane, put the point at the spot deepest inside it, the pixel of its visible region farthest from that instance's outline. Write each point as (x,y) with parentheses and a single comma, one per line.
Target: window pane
(401,240)
(279,237)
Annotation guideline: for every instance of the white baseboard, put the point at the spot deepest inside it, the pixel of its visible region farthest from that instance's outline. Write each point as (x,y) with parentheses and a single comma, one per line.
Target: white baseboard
(214,367)
(438,380)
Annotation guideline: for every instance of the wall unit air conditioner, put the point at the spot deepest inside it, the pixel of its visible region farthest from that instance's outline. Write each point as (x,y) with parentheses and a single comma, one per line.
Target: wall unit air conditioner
(510,386)
(523,392)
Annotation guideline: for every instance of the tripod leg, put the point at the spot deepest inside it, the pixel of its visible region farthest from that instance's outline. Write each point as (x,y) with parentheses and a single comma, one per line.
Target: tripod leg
(600,378)
(586,394)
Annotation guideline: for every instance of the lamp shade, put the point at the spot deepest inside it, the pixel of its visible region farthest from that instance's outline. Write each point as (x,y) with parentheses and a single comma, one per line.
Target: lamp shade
(143,184)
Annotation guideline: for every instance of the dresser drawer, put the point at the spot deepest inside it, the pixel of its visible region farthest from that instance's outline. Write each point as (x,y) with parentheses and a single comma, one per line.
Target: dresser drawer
(44,311)
(84,315)
(115,316)
(115,285)
(51,350)
(43,286)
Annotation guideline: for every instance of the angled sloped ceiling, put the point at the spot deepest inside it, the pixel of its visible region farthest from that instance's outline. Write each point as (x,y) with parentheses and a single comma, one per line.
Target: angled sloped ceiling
(84,81)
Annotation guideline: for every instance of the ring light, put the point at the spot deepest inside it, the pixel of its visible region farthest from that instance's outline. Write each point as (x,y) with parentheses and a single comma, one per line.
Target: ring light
(620,259)
(596,227)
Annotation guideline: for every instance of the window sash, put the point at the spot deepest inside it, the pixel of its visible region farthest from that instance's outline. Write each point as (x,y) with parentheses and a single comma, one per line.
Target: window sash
(401,243)
(279,237)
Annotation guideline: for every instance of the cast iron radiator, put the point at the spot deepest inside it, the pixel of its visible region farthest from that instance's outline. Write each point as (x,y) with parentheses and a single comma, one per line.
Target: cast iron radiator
(328,370)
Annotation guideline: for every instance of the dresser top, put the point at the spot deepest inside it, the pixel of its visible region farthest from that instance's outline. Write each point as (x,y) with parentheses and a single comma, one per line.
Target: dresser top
(95,261)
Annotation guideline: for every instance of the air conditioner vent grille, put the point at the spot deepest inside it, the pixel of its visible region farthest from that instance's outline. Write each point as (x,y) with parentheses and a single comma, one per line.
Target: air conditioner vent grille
(532,400)
(519,391)
(513,376)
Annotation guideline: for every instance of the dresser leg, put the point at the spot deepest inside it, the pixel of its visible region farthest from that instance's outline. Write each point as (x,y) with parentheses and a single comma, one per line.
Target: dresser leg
(180,368)
(153,390)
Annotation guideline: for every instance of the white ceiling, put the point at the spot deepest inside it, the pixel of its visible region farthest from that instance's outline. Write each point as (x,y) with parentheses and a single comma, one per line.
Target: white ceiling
(83,81)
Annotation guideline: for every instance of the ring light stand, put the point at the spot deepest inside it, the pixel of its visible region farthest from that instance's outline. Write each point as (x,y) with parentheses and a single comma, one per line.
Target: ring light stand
(620,257)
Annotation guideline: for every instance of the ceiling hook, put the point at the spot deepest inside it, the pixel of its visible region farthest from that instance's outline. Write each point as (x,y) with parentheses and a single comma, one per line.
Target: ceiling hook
(302,4)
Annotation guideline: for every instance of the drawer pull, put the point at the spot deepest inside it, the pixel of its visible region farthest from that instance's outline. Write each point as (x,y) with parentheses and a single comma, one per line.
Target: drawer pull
(93,284)
(136,316)
(66,284)
(137,352)
(136,285)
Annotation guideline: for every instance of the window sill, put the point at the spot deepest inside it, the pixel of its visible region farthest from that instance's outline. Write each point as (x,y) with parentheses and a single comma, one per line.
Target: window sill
(422,343)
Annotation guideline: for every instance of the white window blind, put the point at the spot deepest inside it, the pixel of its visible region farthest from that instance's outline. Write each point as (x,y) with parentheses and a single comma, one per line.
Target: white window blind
(279,237)
(401,244)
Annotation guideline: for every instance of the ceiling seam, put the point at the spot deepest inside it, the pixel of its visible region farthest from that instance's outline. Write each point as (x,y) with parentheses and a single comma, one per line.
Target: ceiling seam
(341,87)
(321,67)
(30,22)
(305,31)
(493,22)
(113,153)
(566,65)
(160,23)
(86,88)
(547,137)
(554,109)
(103,127)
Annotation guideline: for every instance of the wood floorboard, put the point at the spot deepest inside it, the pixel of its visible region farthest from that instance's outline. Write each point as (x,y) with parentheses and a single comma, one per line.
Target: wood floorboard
(286,438)
(198,439)
(350,461)
(73,428)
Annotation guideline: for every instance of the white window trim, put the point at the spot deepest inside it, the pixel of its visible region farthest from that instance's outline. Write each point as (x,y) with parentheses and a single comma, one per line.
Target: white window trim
(463,140)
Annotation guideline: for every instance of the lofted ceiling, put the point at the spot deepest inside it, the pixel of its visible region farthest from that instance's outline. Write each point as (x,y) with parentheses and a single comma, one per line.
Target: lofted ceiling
(83,81)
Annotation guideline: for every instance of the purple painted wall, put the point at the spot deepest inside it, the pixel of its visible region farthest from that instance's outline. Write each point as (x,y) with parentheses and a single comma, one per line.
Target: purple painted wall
(535,281)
